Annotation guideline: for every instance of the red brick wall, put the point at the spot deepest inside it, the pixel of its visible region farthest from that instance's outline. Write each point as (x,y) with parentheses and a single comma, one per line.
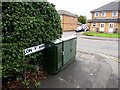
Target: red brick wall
(68,23)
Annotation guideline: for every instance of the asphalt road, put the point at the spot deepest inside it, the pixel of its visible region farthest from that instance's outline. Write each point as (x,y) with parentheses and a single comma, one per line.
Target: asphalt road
(100,46)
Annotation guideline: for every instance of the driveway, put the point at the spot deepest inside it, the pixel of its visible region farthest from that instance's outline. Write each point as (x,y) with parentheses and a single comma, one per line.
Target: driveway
(89,70)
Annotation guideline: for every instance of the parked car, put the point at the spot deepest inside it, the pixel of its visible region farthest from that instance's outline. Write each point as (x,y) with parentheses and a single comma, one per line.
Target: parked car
(82,28)
(79,29)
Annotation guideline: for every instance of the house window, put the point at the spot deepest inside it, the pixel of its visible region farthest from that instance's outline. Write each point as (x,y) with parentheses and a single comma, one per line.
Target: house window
(115,13)
(103,14)
(96,14)
(111,25)
(102,25)
(94,25)
(60,16)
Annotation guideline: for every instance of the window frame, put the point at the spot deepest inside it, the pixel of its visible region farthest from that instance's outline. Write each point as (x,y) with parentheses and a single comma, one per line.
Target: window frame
(111,25)
(102,14)
(96,14)
(114,12)
(102,25)
(61,16)
(94,25)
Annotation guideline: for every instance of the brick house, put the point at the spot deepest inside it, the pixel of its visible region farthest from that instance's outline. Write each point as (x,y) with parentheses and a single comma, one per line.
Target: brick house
(106,18)
(69,21)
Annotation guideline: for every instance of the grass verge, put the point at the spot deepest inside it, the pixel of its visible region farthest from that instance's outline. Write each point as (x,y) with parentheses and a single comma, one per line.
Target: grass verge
(114,35)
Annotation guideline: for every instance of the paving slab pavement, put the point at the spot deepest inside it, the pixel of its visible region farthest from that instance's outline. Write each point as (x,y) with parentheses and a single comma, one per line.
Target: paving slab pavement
(87,71)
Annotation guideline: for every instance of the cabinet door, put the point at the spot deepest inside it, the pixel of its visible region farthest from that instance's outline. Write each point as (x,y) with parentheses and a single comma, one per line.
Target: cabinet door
(59,56)
(69,50)
(50,55)
(73,49)
(66,50)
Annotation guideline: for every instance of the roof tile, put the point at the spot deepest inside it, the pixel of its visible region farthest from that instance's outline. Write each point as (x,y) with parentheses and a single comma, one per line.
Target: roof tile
(61,12)
(112,6)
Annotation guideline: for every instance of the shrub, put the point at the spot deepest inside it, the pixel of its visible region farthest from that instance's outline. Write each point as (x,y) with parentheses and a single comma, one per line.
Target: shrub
(24,25)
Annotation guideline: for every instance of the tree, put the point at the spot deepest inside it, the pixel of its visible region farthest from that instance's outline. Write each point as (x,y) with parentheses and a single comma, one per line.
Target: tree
(82,19)
(76,15)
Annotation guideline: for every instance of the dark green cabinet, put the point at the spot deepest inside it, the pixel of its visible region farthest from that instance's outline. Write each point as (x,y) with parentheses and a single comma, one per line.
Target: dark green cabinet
(59,53)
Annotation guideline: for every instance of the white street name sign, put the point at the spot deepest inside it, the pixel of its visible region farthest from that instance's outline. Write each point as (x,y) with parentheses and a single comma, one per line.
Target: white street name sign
(33,49)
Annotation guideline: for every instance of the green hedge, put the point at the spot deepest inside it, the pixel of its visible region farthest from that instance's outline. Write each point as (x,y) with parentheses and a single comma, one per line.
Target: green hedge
(24,25)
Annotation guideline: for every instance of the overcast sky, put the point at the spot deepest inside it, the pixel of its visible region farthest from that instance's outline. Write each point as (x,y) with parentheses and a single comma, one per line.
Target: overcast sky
(79,7)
